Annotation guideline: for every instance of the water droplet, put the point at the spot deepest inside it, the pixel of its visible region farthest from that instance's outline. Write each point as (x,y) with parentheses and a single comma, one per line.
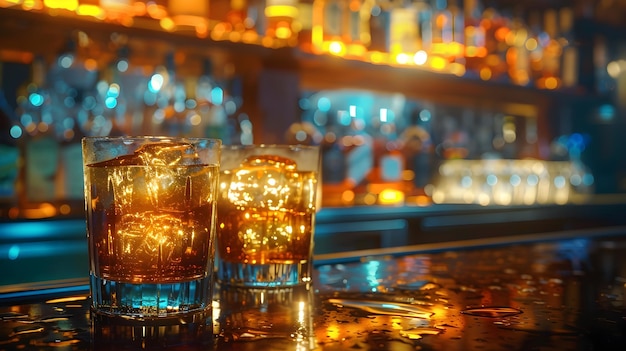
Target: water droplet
(418,333)
(253,335)
(27,330)
(7,316)
(565,330)
(67,299)
(61,343)
(53,319)
(492,312)
(385,308)
(418,285)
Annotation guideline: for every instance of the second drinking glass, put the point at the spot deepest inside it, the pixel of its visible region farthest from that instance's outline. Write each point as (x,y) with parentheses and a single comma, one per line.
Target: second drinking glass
(266,215)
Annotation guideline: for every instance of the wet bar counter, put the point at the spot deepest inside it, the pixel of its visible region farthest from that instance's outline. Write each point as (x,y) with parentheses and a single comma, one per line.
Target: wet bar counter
(559,291)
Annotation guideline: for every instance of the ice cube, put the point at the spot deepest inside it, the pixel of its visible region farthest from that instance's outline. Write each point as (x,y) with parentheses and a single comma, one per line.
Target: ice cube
(165,183)
(124,160)
(157,154)
(265,234)
(262,181)
(162,180)
(168,154)
(151,238)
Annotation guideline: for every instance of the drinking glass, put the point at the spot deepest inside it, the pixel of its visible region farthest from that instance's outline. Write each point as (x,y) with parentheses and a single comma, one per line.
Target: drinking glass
(150,207)
(266,215)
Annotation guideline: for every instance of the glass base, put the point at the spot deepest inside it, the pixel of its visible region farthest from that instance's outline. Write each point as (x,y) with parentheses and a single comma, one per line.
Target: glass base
(151,301)
(263,275)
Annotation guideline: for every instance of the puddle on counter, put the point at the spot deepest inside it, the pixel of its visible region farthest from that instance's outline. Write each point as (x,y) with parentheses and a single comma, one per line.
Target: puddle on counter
(249,334)
(45,326)
(385,308)
(11,316)
(362,320)
(492,312)
(418,333)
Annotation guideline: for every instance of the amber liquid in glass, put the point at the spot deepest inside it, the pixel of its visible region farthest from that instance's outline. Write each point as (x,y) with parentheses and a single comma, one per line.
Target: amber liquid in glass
(266,215)
(142,239)
(262,237)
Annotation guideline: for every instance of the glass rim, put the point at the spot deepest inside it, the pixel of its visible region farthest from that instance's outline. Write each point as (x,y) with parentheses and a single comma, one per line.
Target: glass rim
(271,146)
(148,138)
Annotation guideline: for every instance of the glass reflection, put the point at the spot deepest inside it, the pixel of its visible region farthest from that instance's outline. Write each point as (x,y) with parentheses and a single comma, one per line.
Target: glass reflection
(283,317)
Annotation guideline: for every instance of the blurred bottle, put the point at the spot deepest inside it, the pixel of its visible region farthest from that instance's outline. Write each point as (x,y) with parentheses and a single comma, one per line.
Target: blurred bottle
(237,20)
(448,32)
(188,16)
(112,96)
(380,25)
(237,15)
(358,148)
(333,160)
(72,80)
(158,99)
(71,83)
(457,47)
(69,182)
(120,11)
(336,192)
(425,27)
(604,83)
(243,130)
(40,145)
(417,148)
(255,16)
(475,50)
(281,18)
(211,105)
(534,44)
(403,35)
(389,162)
(151,9)
(344,28)
(569,54)
(9,152)
(234,104)
(328,22)
(131,80)
(550,77)
(305,21)
(70,179)
(496,26)
(176,113)
(518,55)
(357,30)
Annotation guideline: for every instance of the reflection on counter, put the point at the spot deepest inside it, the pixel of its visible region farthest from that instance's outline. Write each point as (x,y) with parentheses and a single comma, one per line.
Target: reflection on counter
(537,296)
